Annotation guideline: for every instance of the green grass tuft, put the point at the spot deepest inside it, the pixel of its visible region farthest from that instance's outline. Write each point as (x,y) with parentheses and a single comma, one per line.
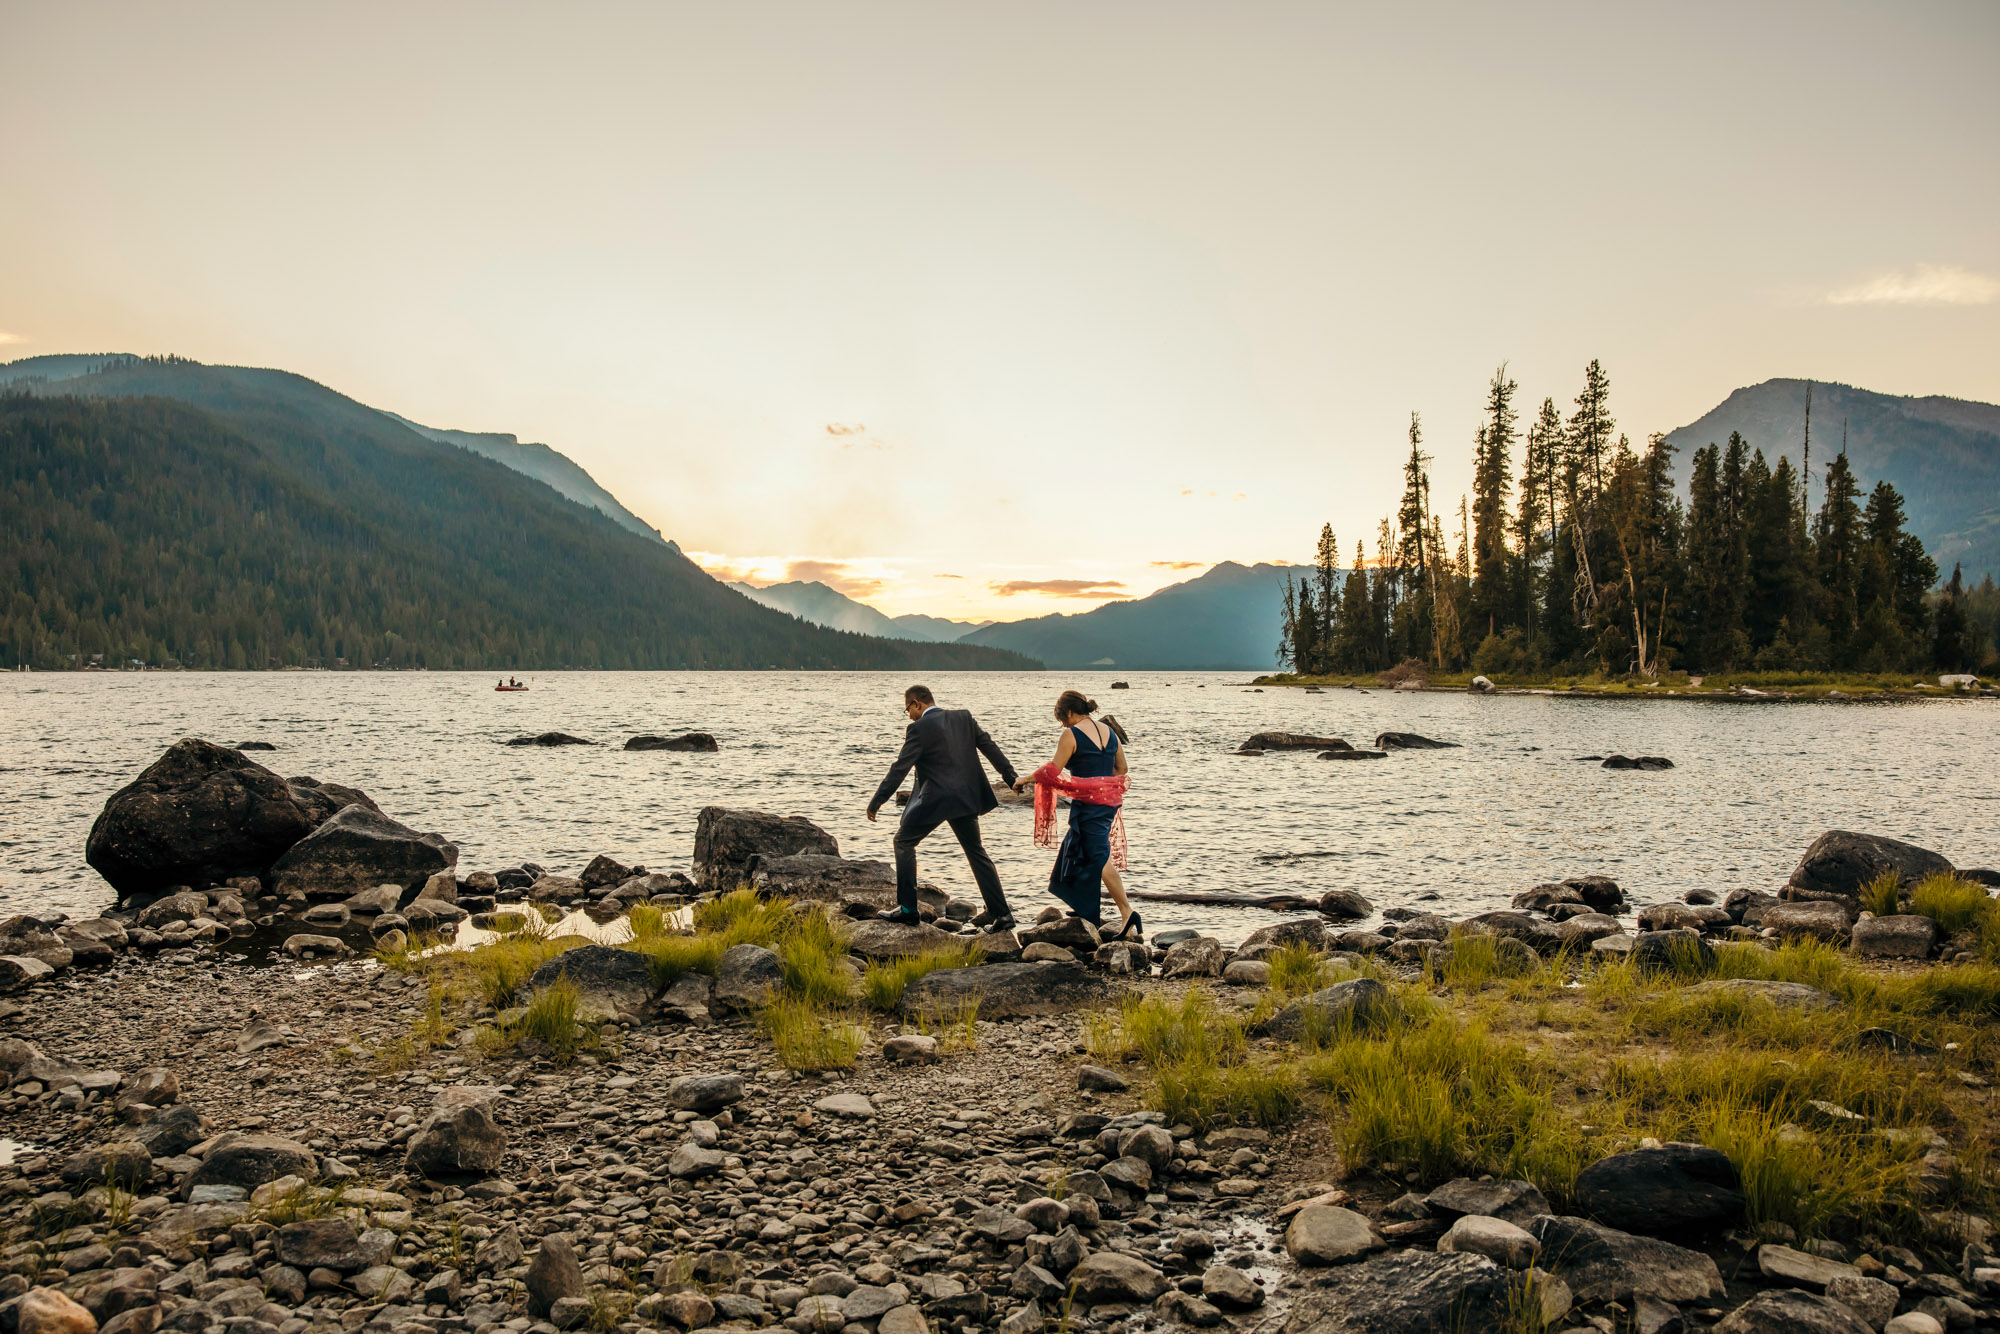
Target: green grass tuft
(1882,895)
(884,981)
(806,1041)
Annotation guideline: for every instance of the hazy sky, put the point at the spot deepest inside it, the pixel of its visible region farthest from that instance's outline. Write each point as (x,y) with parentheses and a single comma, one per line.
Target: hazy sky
(938,300)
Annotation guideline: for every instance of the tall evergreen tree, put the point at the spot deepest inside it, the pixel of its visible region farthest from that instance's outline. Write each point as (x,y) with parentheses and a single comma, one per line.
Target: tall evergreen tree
(1415,551)
(1493,566)
(1953,649)
(1536,512)
(1838,551)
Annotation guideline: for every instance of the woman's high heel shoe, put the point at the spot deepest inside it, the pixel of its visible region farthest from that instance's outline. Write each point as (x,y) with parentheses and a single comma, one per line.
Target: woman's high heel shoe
(1132,923)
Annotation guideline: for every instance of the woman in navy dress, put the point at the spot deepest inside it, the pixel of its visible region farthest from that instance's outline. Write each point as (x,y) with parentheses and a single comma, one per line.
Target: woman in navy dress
(1088,748)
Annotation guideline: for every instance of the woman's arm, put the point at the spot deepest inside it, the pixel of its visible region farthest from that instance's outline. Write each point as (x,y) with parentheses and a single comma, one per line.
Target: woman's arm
(1065,747)
(1118,765)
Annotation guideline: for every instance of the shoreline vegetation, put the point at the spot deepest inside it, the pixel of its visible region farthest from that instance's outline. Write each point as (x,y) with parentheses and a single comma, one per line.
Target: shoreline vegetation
(1738,687)
(1592,565)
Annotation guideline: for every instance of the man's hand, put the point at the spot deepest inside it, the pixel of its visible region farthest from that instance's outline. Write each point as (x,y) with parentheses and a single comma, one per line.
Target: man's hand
(871,815)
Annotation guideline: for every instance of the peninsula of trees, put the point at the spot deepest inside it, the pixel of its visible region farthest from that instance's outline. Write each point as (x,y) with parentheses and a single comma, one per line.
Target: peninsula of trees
(1574,554)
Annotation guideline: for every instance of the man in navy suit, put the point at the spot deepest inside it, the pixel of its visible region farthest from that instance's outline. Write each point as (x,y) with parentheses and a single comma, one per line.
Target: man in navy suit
(944,745)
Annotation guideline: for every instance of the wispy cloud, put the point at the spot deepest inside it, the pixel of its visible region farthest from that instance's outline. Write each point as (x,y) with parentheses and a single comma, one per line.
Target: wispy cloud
(1177,564)
(1096,590)
(855,580)
(852,435)
(6,338)
(1213,495)
(1921,285)
(837,575)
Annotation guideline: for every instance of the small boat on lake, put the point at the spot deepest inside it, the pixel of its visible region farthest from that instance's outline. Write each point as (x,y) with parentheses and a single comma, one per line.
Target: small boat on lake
(508,685)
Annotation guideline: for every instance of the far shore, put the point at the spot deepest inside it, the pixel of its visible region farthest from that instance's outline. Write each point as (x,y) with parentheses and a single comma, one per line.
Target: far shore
(1744,688)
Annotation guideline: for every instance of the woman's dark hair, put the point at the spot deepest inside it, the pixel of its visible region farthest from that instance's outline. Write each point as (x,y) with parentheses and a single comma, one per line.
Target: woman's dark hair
(1073,703)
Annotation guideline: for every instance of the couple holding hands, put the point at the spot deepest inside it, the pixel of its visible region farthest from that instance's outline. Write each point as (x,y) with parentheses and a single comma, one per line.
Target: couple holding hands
(944,746)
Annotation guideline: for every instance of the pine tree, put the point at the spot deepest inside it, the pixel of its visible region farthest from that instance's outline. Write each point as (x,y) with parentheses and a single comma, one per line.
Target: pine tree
(1952,650)
(1353,648)
(1327,591)
(1493,568)
(1837,543)
(1415,551)
(1536,511)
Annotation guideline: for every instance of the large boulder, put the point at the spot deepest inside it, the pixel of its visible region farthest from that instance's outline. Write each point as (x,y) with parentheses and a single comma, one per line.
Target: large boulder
(322,801)
(1345,905)
(1540,936)
(1411,1292)
(460,1135)
(1676,953)
(198,815)
(172,1132)
(1603,1264)
(1308,932)
(727,840)
(249,1160)
(358,849)
(1359,1003)
(700,742)
(610,983)
(1113,1276)
(1007,990)
(1840,864)
(1326,1234)
(1673,1189)
(1598,893)
(1201,956)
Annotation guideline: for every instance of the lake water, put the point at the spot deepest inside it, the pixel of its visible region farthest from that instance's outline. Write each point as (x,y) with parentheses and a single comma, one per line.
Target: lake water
(1511,808)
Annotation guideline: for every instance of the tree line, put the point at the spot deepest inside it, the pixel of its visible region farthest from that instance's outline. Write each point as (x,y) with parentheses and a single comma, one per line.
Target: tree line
(1573,553)
(146,531)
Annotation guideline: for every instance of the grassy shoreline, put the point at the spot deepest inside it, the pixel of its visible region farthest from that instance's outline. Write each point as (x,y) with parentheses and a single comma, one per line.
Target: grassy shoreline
(1737,687)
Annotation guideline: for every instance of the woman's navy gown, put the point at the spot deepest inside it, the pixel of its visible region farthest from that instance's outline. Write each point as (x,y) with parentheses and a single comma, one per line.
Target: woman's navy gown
(1078,877)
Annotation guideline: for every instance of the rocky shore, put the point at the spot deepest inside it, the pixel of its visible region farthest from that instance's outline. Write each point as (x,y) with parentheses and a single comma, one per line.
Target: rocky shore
(289,1086)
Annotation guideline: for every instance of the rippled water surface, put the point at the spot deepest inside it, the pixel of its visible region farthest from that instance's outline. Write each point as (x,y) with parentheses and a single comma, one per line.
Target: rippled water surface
(1754,783)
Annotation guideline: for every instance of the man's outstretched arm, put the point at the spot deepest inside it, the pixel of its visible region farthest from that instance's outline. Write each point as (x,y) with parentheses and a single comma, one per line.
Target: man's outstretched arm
(994,757)
(904,761)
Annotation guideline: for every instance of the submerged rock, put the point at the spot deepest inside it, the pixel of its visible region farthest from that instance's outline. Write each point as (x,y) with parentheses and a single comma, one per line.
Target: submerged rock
(694,742)
(1637,762)
(550,739)
(1264,741)
(1411,741)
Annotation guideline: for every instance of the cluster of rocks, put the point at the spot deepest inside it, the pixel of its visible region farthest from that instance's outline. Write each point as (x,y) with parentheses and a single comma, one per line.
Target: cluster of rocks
(1334,748)
(700,742)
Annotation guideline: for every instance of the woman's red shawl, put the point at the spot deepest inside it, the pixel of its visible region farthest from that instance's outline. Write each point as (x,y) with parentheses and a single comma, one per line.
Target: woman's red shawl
(1110,791)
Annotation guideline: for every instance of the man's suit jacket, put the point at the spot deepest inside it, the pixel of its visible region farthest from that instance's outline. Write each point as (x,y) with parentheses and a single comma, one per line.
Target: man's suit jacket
(944,747)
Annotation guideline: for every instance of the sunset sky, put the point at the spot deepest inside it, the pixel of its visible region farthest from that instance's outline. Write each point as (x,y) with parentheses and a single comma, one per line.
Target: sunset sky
(991,310)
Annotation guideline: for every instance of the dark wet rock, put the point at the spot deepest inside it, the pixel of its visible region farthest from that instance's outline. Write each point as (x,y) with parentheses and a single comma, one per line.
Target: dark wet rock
(1264,741)
(696,742)
(1578,931)
(18,972)
(1007,990)
(1203,956)
(726,840)
(872,939)
(746,977)
(1668,917)
(1414,1292)
(1071,933)
(1361,1002)
(1902,936)
(1516,1202)
(322,800)
(1345,905)
(1349,753)
(1411,741)
(610,982)
(704,1093)
(1100,1080)
(1791,1312)
(861,886)
(172,1132)
(1540,936)
(1306,932)
(1786,995)
(1667,1191)
(604,871)
(1840,864)
(1230,1288)
(1637,762)
(156,1086)
(1598,893)
(460,1135)
(199,814)
(1604,1264)
(1822,919)
(1681,953)
(550,739)
(553,1275)
(358,849)
(1327,1234)
(250,1160)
